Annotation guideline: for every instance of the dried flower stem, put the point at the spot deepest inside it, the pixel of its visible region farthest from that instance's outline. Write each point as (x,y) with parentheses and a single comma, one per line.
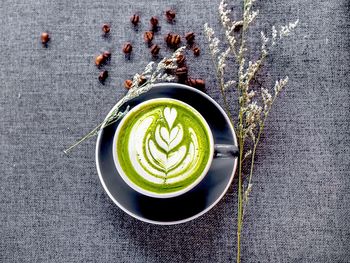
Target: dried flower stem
(240,131)
(152,74)
(220,77)
(251,117)
(278,87)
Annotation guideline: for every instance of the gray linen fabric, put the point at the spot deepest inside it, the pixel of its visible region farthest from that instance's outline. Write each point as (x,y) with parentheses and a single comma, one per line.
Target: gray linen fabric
(53,207)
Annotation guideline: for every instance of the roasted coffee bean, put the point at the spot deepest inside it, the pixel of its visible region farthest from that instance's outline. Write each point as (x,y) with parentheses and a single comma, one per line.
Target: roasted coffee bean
(196,51)
(103,76)
(135,19)
(107,55)
(180,60)
(196,83)
(170,15)
(181,72)
(99,60)
(106,28)
(142,80)
(172,40)
(200,84)
(169,71)
(190,37)
(127,48)
(154,22)
(155,50)
(148,36)
(45,38)
(128,83)
(168,61)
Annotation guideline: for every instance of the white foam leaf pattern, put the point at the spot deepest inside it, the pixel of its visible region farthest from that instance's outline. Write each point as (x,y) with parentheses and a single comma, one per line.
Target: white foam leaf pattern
(167,138)
(165,134)
(165,157)
(152,160)
(177,137)
(174,133)
(170,116)
(160,140)
(175,157)
(157,155)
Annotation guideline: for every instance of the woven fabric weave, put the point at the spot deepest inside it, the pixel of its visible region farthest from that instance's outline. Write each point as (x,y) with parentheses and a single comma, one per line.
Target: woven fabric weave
(53,207)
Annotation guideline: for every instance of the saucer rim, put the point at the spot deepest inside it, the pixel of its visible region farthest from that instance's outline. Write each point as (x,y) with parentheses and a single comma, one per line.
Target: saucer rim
(166,85)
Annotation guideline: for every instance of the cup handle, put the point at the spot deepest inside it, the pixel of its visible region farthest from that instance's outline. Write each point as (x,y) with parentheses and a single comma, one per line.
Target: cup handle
(225,151)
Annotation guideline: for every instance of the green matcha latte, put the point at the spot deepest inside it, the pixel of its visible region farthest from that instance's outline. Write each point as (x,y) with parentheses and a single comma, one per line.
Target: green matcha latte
(163,146)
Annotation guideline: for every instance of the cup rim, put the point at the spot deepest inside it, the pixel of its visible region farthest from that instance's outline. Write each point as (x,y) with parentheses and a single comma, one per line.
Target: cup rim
(150,193)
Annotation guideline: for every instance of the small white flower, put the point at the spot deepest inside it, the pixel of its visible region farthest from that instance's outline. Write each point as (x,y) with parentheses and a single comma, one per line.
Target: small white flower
(215,45)
(249,188)
(293,25)
(208,31)
(267,99)
(253,113)
(229,84)
(247,192)
(252,16)
(263,37)
(148,68)
(222,58)
(280,85)
(224,14)
(169,78)
(161,65)
(213,41)
(251,132)
(247,154)
(250,95)
(178,52)
(274,35)
(286,30)
(264,40)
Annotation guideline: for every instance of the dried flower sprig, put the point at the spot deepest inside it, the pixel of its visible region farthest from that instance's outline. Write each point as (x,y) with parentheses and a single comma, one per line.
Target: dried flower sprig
(253,111)
(152,74)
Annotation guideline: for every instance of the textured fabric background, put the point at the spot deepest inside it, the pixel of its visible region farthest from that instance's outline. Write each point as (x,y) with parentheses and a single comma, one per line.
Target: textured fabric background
(53,207)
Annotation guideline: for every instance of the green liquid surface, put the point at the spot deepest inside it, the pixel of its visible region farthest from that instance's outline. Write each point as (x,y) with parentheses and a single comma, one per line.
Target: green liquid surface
(164,146)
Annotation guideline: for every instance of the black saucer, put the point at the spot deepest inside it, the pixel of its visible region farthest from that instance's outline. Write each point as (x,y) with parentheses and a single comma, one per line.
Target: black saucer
(190,205)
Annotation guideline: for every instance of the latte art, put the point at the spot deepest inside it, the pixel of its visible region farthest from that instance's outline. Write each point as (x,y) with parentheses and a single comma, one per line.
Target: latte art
(167,157)
(164,147)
